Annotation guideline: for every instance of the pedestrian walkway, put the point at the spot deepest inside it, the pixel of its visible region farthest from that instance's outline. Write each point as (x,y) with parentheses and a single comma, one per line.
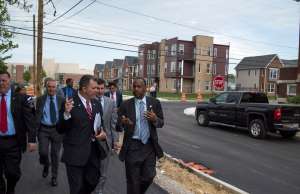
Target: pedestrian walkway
(33,183)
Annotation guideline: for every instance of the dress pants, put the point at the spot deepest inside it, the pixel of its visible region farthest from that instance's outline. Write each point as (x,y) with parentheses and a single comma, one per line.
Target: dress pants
(140,162)
(84,179)
(10,159)
(49,136)
(103,169)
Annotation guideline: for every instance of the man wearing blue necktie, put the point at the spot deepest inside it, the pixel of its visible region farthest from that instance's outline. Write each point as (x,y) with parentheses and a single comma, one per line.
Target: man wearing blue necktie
(140,117)
(48,107)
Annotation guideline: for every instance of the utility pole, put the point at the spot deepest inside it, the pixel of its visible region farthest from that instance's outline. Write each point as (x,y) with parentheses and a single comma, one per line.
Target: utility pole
(40,47)
(299,45)
(34,57)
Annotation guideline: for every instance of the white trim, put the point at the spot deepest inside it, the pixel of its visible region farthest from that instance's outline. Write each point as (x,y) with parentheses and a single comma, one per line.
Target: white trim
(288,92)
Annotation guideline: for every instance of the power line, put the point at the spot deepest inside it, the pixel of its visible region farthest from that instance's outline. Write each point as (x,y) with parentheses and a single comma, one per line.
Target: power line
(63,14)
(81,10)
(188,26)
(169,52)
(78,37)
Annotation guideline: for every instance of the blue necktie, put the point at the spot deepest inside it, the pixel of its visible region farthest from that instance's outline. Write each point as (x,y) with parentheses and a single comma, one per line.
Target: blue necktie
(144,128)
(52,111)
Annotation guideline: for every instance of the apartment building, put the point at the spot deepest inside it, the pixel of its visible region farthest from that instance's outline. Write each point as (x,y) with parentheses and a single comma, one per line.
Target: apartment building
(130,71)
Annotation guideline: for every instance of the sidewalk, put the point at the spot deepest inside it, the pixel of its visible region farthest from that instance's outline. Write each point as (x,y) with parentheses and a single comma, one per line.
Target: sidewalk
(32,182)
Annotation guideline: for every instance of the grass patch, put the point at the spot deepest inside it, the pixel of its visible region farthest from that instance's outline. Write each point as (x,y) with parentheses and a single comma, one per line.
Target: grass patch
(174,96)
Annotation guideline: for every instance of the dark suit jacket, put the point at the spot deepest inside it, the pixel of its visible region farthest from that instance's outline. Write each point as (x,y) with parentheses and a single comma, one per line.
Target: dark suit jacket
(22,108)
(40,104)
(119,97)
(64,91)
(128,109)
(78,132)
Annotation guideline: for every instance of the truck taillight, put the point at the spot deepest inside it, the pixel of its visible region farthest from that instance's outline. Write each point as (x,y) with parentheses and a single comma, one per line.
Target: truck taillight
(277,114)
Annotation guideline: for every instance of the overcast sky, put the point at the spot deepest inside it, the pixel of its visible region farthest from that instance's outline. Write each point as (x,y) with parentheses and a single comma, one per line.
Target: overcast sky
(251,27)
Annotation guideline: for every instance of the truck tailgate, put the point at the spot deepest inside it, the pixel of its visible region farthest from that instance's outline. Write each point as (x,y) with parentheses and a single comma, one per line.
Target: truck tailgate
(290,114)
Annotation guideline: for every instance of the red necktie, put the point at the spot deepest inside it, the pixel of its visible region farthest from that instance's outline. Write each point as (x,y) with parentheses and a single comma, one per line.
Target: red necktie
(3,115)
(89,110)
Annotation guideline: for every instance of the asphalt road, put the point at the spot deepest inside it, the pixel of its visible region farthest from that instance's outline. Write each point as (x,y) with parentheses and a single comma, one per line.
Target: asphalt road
(270,166)
(32,182)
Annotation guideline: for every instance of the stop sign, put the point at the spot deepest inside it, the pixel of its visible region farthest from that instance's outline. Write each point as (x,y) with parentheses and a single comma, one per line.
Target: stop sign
(219,82)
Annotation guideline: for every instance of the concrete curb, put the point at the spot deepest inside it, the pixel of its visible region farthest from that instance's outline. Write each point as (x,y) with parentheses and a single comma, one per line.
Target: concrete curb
(169,185)
(212,180)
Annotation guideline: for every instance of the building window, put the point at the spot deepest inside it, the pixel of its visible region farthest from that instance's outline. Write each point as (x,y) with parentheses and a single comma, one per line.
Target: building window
(181,49)
(255,72)
(273,73)
(167,50)
(153,69)
(173,49)
(215,52)
(214,69)
(211,51)
(166,66)
(194,53)
(291,89)
(175,84)
(227,54)
(153,54)
(254,86)
(208,68)
(249,72)
(207,85)
(149,54)
(271,87)
(173,66)
(199,68)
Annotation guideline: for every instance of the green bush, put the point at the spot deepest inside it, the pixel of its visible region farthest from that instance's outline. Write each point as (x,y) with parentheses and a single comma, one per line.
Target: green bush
(294,100)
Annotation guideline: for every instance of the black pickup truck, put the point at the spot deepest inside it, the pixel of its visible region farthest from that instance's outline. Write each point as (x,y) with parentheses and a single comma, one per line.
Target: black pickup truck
(251,111)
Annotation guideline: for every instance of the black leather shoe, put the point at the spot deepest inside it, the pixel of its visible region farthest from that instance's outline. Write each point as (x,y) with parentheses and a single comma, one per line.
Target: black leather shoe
(45,171)
(53,182)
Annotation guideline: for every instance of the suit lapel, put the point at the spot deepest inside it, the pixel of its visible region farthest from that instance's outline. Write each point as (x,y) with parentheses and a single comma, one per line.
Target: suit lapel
(132,111)
(79,105)
(106,104)
(12,102)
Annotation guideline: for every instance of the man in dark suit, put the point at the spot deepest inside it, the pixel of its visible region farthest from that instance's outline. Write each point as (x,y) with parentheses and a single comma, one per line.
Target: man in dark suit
(69,91)
(17,125)
(114,94)
(47,114)
(140,117)
(82,152)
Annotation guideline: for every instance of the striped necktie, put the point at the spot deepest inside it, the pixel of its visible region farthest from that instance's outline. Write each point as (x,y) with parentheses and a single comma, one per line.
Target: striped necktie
(89,110)
(144,127)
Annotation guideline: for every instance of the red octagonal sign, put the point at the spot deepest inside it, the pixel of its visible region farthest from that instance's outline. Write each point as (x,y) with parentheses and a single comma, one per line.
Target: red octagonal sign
(219,82)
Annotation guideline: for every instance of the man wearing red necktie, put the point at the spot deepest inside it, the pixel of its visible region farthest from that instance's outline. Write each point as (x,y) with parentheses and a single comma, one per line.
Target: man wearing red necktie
(17,124)
(82,153)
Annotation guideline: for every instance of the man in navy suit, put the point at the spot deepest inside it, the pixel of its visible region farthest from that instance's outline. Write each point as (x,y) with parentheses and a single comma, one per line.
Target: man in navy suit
(82,152)
(17,127)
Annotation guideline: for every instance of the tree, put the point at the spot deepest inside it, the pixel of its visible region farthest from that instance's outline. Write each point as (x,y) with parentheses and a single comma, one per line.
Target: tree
(27,76)
(231,78)
(6,35)
(43,74)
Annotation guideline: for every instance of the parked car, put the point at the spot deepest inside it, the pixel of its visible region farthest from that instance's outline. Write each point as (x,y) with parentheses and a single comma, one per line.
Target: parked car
(251,111)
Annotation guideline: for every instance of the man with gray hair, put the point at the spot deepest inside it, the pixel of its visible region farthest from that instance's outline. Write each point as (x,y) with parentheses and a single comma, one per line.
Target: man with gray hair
(47,114)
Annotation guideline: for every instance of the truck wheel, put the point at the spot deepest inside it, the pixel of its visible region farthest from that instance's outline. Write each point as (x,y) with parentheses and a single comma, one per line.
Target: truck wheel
(257,129)
(202,118)
(288,134)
